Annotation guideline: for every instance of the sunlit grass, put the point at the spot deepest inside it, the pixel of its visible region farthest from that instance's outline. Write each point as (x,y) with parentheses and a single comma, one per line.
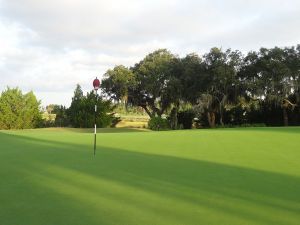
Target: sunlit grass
(222,176)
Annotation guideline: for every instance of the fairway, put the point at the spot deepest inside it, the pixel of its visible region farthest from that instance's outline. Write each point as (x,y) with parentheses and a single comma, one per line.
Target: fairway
(245,176)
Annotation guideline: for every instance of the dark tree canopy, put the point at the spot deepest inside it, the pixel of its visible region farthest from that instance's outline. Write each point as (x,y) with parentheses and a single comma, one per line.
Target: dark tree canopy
(117,82)
(222,86)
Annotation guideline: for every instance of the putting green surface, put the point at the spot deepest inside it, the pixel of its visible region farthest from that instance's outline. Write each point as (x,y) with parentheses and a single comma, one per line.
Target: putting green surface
(212,177)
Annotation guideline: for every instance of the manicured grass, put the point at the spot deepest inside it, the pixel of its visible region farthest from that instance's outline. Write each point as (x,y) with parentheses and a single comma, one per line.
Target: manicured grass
(212,177)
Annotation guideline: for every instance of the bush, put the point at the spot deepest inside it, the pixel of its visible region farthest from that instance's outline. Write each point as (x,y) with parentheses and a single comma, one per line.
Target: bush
(81,113)
(158,123)
(185,118)
(18,110)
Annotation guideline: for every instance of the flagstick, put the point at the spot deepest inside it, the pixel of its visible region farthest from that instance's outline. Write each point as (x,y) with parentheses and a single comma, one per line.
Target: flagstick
(95,133)
(96,85)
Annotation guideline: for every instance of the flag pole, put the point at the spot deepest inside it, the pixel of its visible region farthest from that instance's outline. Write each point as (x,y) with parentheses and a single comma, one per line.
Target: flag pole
(95,132)
(96,84)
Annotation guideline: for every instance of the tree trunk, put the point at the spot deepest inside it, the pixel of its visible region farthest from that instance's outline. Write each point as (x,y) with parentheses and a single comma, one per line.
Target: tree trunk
(151,115)
(221,104)
(174,119)
(285,117)
(211,119)
(285,105)
(126,102)
(221,116)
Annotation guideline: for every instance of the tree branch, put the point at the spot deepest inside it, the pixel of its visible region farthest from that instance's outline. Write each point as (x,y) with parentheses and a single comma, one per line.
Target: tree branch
(286,103)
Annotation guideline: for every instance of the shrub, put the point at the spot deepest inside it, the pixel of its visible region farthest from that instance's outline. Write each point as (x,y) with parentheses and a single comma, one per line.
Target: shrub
(185,118)
(158,123)
(18,110)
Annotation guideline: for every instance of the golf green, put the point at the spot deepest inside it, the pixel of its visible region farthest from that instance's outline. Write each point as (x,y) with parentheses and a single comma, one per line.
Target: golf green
(243,176)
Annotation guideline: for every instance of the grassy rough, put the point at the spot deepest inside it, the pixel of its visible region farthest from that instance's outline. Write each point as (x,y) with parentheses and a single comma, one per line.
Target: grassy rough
(210,177)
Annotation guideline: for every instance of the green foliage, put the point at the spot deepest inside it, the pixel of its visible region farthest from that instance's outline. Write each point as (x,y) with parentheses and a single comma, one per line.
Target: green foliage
(214,83)
(117,81)
(18,110)
(272,76)
(193,77)
(158,123)
(185,118)
(81,113)
(155,84)
(61,118)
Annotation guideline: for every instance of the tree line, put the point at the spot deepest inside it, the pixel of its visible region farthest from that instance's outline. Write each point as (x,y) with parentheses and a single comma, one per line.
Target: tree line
(23,111)
(81,113)
(219,88)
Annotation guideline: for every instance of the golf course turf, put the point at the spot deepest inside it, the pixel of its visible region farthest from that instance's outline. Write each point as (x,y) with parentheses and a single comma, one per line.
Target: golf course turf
(245,176)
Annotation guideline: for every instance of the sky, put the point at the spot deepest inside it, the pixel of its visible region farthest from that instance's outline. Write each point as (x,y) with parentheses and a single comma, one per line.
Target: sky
(49,46)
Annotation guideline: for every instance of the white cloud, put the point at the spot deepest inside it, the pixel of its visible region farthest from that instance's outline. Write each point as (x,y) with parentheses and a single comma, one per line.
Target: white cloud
(48,46)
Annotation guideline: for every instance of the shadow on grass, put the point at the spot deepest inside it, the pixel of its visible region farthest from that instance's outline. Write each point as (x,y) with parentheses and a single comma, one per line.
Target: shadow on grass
(99,130)
(124,187)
